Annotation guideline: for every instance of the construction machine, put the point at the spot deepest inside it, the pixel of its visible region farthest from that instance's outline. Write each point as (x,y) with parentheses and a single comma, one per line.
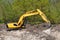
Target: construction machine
(29,13)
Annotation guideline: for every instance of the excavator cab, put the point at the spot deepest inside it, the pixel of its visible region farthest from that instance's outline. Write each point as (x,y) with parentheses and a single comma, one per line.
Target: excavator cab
(21,19)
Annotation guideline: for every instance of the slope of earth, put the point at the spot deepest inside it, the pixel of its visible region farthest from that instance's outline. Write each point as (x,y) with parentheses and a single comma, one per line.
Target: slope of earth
(31,32)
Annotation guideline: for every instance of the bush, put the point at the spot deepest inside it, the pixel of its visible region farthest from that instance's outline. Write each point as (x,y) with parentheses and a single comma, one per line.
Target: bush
(12,10)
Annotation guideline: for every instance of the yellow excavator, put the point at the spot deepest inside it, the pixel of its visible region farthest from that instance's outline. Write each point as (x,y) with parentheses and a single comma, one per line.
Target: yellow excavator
(29,13)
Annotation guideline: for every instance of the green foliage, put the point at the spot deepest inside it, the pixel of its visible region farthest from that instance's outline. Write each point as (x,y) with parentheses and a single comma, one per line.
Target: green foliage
(11,10)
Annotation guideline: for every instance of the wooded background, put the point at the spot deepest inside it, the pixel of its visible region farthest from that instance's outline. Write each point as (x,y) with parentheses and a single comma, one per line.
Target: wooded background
(11,10)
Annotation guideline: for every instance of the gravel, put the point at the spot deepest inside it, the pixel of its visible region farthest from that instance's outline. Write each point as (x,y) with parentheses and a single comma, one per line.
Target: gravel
(32,32)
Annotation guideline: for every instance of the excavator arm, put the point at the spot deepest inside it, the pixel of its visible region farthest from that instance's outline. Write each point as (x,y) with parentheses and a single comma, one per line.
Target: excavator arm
(43,16)
(33,13)
(30,13)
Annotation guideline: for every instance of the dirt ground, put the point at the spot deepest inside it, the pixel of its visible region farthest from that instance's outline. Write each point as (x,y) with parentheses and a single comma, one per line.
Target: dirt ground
(31,32)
